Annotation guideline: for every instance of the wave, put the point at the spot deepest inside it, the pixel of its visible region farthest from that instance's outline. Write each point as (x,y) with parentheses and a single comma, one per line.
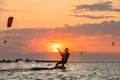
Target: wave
(23,66)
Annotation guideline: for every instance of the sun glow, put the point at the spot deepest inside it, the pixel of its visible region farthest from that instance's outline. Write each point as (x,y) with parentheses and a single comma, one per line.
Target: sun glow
(55,46)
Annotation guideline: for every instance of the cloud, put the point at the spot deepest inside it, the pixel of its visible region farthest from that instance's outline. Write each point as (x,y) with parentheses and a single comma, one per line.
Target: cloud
(93,17)
(105,27)
(105,6)
(102,28)
(27,42)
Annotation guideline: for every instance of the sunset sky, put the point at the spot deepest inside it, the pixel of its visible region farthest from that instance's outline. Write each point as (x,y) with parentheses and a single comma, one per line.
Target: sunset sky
(39,26)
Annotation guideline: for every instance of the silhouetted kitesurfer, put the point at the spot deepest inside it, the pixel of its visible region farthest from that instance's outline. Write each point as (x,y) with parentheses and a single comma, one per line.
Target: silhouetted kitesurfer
(65,55)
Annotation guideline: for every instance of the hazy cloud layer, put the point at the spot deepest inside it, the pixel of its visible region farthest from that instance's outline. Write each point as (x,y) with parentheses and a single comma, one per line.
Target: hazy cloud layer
(24,42)
(105,6)
(93,17)
(105,27)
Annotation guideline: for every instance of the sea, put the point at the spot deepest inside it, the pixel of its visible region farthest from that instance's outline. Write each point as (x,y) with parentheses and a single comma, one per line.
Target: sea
(74,71)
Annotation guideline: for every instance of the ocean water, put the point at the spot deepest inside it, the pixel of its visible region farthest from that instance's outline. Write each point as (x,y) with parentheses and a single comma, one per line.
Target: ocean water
(74,71)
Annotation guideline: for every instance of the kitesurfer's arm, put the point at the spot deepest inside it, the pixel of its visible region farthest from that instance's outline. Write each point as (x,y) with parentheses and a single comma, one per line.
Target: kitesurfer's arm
(60,51)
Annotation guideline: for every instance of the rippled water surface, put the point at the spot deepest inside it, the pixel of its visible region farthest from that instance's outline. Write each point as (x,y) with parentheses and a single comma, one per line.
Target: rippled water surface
(74,71)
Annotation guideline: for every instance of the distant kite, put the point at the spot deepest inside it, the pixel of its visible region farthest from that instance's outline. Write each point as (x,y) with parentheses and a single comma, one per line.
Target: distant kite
(5,41)
(9,23)
(113,43)
(82,52)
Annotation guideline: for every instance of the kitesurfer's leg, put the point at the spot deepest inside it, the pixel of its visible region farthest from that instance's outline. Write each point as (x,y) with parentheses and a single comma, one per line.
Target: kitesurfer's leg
(59,62)
(62,65)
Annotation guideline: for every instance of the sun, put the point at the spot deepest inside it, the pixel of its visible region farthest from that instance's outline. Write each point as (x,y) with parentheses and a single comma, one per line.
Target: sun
(55,46)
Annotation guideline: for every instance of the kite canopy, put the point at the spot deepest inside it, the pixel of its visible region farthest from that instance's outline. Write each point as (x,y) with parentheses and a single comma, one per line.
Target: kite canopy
(9,23)
(5,41)
(113,43)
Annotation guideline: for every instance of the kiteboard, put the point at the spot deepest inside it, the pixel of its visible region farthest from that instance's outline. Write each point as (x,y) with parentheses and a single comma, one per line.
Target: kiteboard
(46,68)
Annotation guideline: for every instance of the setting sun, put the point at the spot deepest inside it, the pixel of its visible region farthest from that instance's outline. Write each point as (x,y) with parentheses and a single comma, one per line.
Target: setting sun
(55,46)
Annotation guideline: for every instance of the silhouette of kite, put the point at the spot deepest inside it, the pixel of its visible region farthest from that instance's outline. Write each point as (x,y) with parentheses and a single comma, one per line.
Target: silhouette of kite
(113,43)
(9,22)
(5,41)
(81,52)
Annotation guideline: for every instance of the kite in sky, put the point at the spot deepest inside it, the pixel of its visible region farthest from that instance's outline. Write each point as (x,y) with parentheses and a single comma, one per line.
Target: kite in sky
(5,41)
(113,43)
(10,21)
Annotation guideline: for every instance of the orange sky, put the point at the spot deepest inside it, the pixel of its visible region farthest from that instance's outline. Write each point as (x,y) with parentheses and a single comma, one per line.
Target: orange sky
(50,14)
(86,44)
(81,25)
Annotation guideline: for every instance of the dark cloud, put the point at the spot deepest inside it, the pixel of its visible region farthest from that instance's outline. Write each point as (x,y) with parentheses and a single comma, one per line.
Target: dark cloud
(105,6)
(102,28)
(93,17)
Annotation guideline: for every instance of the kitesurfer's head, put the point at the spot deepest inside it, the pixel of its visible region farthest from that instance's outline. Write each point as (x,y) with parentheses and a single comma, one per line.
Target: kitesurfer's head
(66,50)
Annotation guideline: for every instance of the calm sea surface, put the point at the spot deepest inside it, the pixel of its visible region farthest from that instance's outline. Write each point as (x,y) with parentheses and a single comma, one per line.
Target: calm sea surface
(74,71)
